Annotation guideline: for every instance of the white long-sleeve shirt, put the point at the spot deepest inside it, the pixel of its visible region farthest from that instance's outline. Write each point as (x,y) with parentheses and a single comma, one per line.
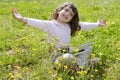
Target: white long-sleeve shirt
(61,32)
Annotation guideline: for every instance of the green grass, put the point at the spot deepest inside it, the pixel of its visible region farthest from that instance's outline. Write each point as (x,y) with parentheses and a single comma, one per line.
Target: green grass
(24,51)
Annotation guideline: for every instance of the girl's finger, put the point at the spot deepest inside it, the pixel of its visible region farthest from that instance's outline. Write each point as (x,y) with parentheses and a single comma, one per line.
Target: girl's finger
(14,10)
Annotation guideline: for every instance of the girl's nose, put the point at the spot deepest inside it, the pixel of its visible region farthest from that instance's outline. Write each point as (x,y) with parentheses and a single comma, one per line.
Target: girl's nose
(67,13)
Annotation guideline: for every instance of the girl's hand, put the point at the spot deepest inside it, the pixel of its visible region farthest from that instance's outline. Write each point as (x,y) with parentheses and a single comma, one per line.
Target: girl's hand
(18,16)
(101,22)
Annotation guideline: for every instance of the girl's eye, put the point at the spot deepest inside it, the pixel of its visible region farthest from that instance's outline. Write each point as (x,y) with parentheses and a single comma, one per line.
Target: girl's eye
(71,14)
(66,10)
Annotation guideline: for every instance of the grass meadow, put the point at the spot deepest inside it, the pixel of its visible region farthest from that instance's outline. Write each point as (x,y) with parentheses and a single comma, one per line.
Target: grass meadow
(24,51)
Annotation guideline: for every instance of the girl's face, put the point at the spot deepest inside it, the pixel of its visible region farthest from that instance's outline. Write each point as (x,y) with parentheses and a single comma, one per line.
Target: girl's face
(65,15)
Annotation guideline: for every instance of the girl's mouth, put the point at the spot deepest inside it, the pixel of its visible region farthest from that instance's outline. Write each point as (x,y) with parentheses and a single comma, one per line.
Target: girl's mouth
(64,16)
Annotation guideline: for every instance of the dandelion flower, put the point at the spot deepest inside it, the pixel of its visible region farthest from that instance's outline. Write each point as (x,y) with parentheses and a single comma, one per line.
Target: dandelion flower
(96,70)
(65,67)
(59,49)
(73,62)
(84,72)
(57,39)
(118,59)
(118,48)
(18,67)
(64,51)
(103,74)
(59,65)
(76,50)
(10,74)
(50,72)
(72,78)
(34,49)
(92,76)
(113,23)
(18,75)
(81,67)
(60,58)
(92,55)
(59,78)
(78,72)
(55,63)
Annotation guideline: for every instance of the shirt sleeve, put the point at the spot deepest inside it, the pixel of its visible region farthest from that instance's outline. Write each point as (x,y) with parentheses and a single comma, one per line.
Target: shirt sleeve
(88,25)
(40,24)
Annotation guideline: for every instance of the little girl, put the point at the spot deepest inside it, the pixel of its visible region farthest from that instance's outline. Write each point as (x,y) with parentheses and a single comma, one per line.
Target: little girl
(63,24)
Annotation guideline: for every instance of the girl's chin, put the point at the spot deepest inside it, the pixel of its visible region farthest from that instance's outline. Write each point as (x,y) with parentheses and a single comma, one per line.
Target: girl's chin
(63,19)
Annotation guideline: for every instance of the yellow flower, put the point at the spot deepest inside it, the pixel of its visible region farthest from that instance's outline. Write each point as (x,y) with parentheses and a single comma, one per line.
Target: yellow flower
(55,63)
(72,78)
(18,67)
(84,72)
(17,50)
(34,49)
(118,59)
(50,72)
(96,70)
(59,65)
(18,75)
(11,75)
(78,72)
(60,58)
(118,44)
(65,67)
(103,74)
(113,23)
(66,45)
(118,48)
(64,51)
(81,67)
(92,55)
(61,44)
(9,66)
(73,62)
(111,68)
(57,39)
(54,51)
(59,49)
(100,53)
(76,50)
(59,78)
(25,69)
(92,76)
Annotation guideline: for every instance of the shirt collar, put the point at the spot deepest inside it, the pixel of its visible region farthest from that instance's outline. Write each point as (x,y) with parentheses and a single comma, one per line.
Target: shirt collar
(57,23)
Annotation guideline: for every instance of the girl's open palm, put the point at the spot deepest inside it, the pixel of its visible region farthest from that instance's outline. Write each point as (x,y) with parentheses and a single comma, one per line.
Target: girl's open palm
(16,14)
(101,22)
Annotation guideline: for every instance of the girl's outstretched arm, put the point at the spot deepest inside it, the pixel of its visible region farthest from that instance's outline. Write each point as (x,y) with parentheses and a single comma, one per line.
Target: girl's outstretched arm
(92,25)
(18,16)
(44,25)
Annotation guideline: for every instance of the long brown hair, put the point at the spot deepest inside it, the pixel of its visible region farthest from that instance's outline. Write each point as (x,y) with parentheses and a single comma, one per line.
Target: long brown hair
(74,23)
